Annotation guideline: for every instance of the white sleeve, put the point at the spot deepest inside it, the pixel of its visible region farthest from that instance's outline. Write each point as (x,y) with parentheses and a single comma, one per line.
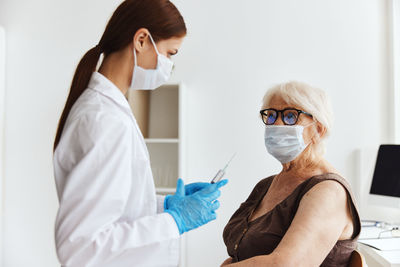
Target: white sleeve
(88,228)
(160,203)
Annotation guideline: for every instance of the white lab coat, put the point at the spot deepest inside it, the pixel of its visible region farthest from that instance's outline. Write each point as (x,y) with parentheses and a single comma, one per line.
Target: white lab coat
(109,213)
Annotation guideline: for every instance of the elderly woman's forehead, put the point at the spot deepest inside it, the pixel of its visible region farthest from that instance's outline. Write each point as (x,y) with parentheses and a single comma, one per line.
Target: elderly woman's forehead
(278,102)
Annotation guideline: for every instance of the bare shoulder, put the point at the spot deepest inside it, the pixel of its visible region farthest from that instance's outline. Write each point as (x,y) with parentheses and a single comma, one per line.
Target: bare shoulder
(327,187)
(326,194)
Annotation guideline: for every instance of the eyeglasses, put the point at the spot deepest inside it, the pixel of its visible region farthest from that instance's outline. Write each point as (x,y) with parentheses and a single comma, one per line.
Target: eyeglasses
(395,232)
(289,116)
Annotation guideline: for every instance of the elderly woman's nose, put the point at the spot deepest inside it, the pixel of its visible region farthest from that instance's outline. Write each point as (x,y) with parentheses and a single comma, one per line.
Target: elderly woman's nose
(279,121)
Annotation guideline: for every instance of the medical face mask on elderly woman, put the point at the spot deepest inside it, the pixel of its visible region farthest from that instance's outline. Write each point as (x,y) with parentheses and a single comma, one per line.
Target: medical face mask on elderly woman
(285,142)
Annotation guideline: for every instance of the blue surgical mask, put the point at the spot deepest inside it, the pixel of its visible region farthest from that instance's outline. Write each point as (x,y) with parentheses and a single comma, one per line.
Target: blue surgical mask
(284,142)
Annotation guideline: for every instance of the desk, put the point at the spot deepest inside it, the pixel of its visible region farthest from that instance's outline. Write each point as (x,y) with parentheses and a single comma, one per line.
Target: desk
(378,258)
(375,257)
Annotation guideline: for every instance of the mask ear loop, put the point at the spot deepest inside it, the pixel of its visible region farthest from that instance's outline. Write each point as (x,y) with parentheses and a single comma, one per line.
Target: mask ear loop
(154,44)
(135,64)
(134,56)
(155,48)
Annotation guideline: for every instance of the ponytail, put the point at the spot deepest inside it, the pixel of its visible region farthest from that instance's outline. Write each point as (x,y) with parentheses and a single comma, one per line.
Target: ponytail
(82,75)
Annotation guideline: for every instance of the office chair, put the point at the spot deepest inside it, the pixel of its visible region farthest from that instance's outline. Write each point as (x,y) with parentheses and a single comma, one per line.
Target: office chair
(357,260)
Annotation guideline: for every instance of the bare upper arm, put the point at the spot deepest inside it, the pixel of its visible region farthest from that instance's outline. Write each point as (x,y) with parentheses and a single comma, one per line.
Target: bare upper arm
(319,222)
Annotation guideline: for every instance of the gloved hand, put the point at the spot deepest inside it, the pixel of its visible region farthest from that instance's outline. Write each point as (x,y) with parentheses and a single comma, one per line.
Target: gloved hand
(194,187)
(194,210)
(189,189)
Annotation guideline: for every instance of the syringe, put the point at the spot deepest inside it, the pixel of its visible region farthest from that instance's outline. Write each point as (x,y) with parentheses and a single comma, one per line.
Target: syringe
(221,172)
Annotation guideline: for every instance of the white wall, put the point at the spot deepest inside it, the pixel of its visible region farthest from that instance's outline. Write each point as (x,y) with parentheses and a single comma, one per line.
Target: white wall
(234,51)
(2,117)
(395,63)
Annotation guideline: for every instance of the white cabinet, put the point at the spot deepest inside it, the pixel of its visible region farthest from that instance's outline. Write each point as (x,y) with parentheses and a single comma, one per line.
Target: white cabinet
(159,114)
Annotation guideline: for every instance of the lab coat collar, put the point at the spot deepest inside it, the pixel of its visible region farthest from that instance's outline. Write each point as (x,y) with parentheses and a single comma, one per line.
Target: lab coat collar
(104,86)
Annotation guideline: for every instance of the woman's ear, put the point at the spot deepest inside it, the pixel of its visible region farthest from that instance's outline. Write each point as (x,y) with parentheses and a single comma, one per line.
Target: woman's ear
(320,133)
(139,39)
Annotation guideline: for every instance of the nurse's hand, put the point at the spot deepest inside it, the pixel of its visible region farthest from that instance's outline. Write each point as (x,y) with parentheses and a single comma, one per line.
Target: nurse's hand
(196,209)
(194,187)
(189,190)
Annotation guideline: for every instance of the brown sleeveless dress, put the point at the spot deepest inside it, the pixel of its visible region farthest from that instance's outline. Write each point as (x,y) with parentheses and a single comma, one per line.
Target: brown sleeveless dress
(261,236)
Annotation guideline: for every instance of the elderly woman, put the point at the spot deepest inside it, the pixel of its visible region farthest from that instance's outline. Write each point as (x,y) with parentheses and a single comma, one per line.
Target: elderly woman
(306,214)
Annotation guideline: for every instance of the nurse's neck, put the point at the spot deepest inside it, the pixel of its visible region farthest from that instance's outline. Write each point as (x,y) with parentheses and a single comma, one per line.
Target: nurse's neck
(118,68)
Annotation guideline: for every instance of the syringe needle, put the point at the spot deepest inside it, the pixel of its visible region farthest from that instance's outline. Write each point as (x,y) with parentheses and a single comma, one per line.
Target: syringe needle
(221,173)
(229,161)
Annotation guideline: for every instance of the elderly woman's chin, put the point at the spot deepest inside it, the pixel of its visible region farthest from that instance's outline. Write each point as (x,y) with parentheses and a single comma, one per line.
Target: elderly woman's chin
(305,214)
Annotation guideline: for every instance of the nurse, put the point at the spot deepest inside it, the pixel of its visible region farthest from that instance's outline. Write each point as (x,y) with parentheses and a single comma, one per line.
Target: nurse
(109,214)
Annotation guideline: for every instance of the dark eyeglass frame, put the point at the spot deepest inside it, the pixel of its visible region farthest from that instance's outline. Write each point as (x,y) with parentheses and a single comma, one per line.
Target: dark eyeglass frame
(299,111)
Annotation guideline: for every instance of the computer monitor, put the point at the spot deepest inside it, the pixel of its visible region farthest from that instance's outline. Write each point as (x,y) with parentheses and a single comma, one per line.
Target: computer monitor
(385,185)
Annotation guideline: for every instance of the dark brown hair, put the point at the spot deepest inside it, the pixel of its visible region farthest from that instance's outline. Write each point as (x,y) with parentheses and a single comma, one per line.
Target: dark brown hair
(160,17)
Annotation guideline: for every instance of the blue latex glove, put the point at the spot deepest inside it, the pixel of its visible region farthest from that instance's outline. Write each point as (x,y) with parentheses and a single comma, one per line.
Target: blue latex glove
(194,187)
(189,189)
(194,210)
